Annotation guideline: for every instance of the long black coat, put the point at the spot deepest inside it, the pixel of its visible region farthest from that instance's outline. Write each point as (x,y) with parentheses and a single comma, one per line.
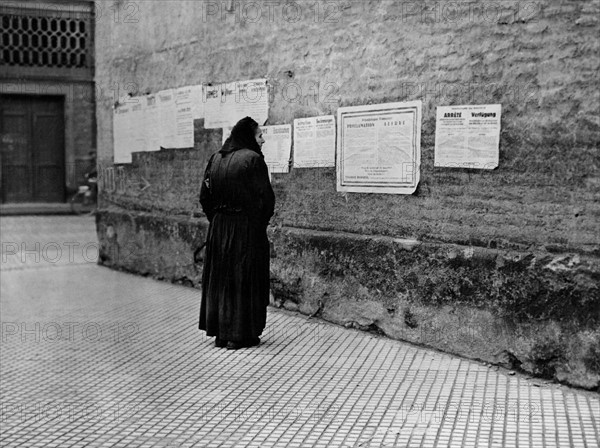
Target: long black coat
(238,200)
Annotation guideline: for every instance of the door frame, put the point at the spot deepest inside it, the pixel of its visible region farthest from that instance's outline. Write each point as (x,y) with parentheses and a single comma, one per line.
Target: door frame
(61,97)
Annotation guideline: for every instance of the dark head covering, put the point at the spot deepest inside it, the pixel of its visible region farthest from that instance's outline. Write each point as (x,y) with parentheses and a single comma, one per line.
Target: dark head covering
(242,136)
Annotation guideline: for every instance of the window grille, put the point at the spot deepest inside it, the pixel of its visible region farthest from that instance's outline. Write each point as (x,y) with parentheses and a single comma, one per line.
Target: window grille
(45,41)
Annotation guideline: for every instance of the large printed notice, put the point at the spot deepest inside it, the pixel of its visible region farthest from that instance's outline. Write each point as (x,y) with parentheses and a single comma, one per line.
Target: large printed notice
(314,142)
(468,136)
(226,104)
(277,147)
(379,148)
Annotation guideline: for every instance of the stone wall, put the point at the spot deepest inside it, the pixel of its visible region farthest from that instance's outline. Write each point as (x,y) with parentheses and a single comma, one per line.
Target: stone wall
(518,245)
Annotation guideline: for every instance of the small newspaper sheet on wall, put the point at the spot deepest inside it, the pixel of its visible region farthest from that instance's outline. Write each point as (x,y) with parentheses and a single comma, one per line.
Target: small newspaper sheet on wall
(121,134)
(167,107)
(152,123)
(468,136)
(226,104)
(314,142)
(184,117)
(379,148)
(197,93)
(277,147)
(137,129)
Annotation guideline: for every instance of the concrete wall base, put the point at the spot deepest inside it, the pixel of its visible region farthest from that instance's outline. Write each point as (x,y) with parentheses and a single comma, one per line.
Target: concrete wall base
(534,312)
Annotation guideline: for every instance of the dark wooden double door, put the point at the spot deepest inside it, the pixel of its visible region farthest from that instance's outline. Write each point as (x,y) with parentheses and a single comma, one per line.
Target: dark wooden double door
(32,148)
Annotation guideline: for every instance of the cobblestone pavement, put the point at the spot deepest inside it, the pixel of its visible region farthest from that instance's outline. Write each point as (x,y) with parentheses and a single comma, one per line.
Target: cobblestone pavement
(97,358)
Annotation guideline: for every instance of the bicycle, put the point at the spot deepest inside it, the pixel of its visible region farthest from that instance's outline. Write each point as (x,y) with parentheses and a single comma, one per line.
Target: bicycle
(84,200)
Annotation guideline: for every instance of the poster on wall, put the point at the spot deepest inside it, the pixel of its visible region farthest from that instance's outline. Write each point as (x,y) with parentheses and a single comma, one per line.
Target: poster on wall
(252,101)
(137,129)
(167,107)
(277,147)
(226,104)
(121,133)
(379,148)
(226,134)
(184,118)
(468,136)
(215,104)
(152,123)
(197,102)
(314,142)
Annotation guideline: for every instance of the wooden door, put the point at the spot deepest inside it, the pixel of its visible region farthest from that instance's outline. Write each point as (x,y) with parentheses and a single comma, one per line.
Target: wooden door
(32,149)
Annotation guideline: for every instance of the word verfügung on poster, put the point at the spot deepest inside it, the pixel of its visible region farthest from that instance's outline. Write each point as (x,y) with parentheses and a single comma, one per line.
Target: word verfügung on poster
(468,136)
(314,142)
(277,147)
(379,148)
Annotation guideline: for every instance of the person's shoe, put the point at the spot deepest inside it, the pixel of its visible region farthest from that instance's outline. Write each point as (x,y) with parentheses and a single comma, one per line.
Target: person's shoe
(233,345)
(220,343)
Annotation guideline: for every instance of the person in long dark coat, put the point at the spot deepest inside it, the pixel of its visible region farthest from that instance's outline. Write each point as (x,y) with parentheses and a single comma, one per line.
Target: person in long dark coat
(238,200)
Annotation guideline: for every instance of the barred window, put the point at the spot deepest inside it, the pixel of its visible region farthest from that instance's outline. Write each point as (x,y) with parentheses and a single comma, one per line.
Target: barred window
(38,41)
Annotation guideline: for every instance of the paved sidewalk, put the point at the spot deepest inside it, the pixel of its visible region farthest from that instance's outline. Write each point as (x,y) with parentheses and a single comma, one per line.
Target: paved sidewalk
(37,208)
(96,358)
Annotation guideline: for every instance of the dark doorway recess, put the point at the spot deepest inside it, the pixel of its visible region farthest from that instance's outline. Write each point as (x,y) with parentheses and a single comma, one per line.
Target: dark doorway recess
(32,148)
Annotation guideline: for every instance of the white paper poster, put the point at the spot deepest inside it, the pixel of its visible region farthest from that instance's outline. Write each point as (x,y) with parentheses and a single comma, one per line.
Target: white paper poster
(379,148)
(314,142)
(226,134)
(152,123)
(226,104)
(137,125)
(168,118)
(215,101)
(184,118)
(277,147)
(197,102)
(252,101)
(468,136)
(121,140)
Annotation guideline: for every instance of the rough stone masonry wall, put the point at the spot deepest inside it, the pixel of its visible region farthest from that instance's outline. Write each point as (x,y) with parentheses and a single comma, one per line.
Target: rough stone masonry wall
(498,265)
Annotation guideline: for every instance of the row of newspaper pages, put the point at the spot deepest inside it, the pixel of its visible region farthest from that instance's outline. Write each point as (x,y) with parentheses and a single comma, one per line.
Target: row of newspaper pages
(166,118)
(377,146)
